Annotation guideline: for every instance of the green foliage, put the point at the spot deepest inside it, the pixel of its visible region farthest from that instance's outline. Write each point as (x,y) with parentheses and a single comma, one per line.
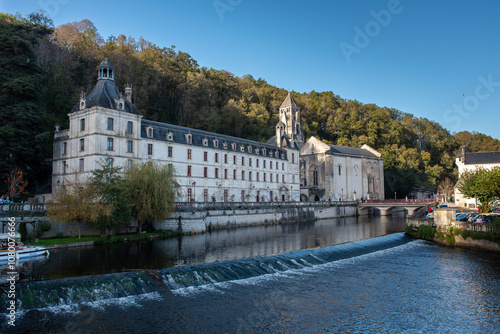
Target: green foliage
(110,185)
(44,226)
(422,232)
(23,231)
(169,86)
(152,190)
(483,184)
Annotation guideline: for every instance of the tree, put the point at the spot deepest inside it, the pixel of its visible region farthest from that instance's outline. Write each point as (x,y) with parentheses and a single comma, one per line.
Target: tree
(111,189)
(483,184)
(77,202)
(152,191)
(445,188)
(16,184)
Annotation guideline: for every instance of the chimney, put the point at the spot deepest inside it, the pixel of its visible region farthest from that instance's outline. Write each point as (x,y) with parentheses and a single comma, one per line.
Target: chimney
(128,92)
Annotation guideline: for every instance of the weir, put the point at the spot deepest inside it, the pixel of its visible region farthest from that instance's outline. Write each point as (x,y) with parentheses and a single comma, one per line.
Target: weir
(62,292)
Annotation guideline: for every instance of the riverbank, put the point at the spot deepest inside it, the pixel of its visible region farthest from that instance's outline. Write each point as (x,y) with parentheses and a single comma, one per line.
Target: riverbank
(54,243)
(445,230)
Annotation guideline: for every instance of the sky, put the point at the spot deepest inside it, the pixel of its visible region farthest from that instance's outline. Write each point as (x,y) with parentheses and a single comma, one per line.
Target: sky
(434,59)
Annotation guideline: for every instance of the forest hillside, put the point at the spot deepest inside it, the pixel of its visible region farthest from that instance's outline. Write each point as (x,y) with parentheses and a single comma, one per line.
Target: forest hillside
(44,69)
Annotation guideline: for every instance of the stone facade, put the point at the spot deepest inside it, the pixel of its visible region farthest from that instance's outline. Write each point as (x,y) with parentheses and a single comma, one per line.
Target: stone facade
(468,161)
(331,172)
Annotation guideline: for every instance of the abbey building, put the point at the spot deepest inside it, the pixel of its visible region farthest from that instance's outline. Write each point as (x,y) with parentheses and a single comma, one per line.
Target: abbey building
(211,167)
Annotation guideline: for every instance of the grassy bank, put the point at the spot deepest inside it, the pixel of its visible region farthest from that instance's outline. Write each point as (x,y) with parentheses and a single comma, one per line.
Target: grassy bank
(98,239)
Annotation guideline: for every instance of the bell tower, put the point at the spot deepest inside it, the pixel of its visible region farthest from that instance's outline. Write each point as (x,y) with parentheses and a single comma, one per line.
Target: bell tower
(290,116)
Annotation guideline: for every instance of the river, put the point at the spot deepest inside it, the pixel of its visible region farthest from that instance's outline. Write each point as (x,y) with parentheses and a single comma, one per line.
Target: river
(329,276)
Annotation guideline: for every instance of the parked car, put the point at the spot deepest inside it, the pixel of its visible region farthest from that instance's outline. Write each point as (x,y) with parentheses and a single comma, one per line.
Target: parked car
(466,218)
(430,215)
(486,219)
(443,205)
(462,216)
(495,210)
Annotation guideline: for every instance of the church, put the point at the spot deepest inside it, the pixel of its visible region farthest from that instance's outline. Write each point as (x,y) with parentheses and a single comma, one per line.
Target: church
(211,167)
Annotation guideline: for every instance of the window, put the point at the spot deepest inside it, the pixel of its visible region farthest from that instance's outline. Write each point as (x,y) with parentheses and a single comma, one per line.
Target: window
(205,195)
(243,161)
(225,195)
(111,124)
(340,169)
(249,176)
(128,165)
(150,149)
(282,166)
(270,165)
(149,132)
(225,174)
(264,163)
(130,146)
(277,178)
(225,158)
(82,166)
(283,178)
(189,138)
(205,171)
(82,124)
(257,176)
(130,127)
(216,143)
(234,174)
(110,144)
(277,165)
(170,136)
(190,195)
(205,142)
(264,177)
(270,177)
(315,176)
(257,163)
(243,195)
(171,166)
(189,154)
(189,171)
(65,167)
(250,162)
(217,173)
(242,174)
(64,148)
(170,154)
(234,159)
(82,145)
(216,157)
(205,156)
(293,158)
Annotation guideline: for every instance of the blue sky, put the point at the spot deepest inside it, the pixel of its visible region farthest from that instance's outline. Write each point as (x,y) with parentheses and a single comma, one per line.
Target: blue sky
(433,59)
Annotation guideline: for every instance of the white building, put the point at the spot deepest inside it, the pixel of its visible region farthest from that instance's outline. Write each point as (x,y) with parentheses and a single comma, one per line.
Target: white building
(467,161)
(211,167)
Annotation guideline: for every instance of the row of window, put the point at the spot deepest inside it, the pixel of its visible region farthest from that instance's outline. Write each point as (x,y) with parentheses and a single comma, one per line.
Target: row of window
(109,147)
(110,125)
(189,140)
(272,177)
(244,197)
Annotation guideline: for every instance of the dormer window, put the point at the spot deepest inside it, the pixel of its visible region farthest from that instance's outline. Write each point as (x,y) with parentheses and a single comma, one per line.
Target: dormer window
(257,151)
(242,148)
(149,132)
(249,149)
(189,138)
(233,146)
(224,145)
(205,142)
(276,154)
(216,143)
(170,136)
(263,151)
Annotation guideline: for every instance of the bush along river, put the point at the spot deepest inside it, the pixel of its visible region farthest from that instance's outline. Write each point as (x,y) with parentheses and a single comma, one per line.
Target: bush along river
(339,275)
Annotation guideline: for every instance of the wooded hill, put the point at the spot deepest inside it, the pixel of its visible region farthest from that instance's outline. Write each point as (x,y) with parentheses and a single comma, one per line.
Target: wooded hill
(44,69)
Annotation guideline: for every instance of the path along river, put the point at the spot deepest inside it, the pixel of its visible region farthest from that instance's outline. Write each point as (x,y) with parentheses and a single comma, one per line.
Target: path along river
(331,276)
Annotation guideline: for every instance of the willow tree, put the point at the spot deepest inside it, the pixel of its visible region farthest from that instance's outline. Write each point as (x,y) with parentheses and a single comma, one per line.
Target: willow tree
(77,202)
(483,184)
(152,189)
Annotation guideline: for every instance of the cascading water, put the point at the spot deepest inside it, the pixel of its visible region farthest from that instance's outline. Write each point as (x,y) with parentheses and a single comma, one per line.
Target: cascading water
(60,292)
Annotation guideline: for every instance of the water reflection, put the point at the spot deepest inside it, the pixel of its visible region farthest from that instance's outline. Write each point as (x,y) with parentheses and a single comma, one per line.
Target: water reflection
(222,245)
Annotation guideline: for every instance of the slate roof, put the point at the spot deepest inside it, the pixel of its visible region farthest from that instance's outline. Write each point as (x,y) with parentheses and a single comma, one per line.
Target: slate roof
(103,95)
(161,131)
(335,149)
(285,142)
(482,158)
(289,101)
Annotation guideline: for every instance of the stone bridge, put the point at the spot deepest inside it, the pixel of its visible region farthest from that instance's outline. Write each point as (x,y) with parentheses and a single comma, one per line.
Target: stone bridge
(386,206)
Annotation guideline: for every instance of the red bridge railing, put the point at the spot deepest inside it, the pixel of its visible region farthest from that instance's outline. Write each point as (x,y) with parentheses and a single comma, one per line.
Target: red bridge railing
(416,200)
